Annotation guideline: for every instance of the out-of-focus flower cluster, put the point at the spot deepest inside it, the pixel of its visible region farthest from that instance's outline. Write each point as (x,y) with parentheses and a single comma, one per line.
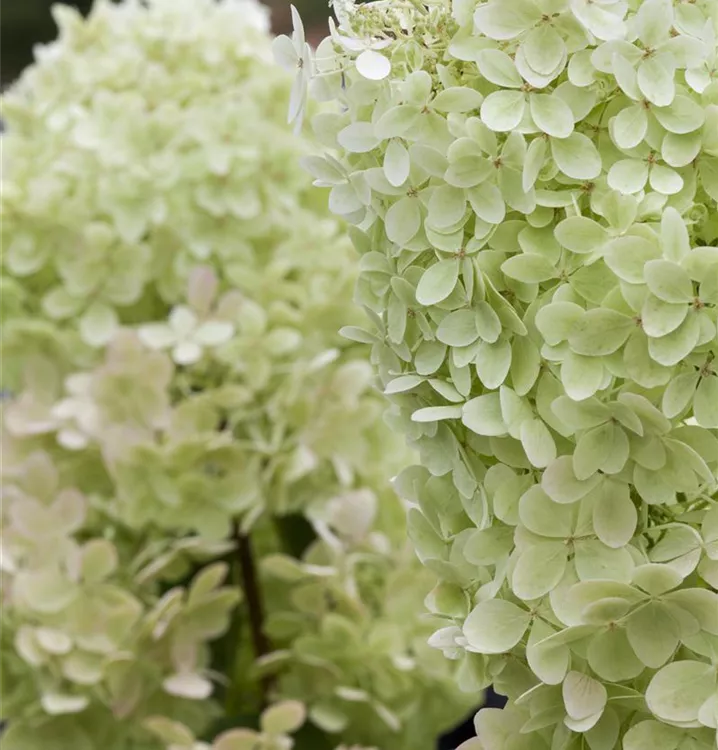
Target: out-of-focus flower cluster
(355,644)
(351,649)
(91,631)
(178,286)
(172,288)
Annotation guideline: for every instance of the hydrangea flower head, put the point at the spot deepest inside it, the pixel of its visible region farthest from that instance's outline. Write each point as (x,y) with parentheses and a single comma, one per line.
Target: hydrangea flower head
(533,186)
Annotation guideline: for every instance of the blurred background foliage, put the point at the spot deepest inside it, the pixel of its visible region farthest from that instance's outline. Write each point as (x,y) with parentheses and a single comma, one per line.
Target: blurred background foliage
(24,23)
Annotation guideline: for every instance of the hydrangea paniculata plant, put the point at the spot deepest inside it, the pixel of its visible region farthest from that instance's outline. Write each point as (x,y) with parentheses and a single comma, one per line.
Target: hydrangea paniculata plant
(533,186)
(184,424)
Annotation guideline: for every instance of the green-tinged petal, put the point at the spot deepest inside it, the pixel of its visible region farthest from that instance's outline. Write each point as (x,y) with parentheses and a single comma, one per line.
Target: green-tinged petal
(98,324)
(614,515)
(628,176)
(495,626)
(684,115)
(529,268)
(649,735)
(592,450)
(396,163)
(674,236)
(542,516)
(284,717)
(496,66)
(611,657)
(539,570)
(482,415)
(492,362)
(403,220)
(630,126)
(665,180)
(457,99)
(581,376)
(538,443)
(660,318)
(358,138)
(436,413)
(653,634)
(600,331)
(498,22)
(544,49)
(396,121)
(560,483)
(487,202)
(580,234)
(458,328)
(705,404)
(437,282)
(535,158)
(446,207)
(671,349)
(551,114)
(677,692)
(582,695)
(556,321)
(656,79)
(626,257)
(502,111)
(679,393)
(576,156)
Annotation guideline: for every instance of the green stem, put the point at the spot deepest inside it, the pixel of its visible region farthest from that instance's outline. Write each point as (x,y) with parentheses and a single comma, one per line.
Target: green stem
(253,599)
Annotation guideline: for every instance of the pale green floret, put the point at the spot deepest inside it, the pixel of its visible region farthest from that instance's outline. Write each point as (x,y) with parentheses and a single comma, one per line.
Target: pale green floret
(534,189)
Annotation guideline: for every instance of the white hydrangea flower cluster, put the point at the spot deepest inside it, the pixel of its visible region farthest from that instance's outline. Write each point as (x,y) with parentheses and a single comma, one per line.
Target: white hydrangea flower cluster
(172,288)
(533,185)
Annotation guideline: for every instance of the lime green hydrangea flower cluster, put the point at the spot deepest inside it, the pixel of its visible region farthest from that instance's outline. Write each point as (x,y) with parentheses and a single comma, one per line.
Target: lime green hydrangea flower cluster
(92,633)
(533,186)
(172,288)
(120,175)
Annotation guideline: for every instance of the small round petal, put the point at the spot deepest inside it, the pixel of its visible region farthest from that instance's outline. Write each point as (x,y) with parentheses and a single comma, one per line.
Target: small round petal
(373,65)
(182,321)
(628,176)
(157,335)
(285,53)
(502,111)
(57,704)
(213,333)
(551,114)
(283,718)
(187,353)
(188,685)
